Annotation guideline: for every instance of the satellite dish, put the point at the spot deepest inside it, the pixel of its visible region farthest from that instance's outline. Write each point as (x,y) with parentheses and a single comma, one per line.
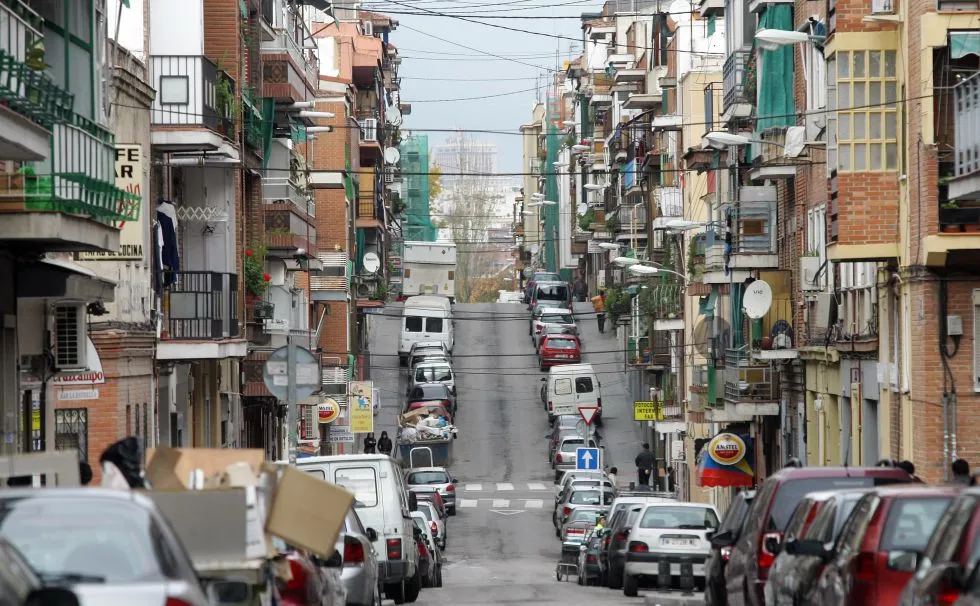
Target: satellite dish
(372,263)
(702,342)
(700,336)
(582,208)
(757,299)
(392,155)
(394,116)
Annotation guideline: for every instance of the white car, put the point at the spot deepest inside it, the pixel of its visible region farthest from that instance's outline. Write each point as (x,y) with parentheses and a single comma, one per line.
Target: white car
(668,532)
(436,524)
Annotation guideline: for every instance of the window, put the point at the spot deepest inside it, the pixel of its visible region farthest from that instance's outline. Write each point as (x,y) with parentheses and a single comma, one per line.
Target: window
(362,481)
(413,324)
(859,297)
(428,477)
(853,531)
(680,518)
(583,385)
(433,324)
(911,522)
(557,319)
(563,387)
(71,430)
(816,242)
(866,129)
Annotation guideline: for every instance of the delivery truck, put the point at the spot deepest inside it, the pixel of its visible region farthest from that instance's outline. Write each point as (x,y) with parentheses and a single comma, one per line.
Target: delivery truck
(429,268)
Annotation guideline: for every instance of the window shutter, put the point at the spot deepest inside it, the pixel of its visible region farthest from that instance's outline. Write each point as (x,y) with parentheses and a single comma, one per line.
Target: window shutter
(69,336)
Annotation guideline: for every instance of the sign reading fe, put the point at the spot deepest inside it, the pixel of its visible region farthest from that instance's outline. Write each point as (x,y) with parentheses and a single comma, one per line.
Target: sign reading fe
(129,178)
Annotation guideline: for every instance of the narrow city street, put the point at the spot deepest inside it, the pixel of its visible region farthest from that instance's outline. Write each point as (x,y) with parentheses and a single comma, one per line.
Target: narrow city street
(502,547)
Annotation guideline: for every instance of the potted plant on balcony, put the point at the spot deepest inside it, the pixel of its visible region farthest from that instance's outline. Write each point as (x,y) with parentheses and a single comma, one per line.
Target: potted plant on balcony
(256,279)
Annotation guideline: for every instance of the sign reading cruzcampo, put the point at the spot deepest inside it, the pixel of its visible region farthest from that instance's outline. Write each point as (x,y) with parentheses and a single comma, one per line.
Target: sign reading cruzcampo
(129,178)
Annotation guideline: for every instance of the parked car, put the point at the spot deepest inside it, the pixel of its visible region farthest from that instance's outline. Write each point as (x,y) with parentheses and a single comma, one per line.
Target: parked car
(433,372)
(559,349)
(818,517)
(552,330)
(589,514)
(435,407)
(599,498)
(101,543)
(539,276)
(612,555)
(438,479)
(589,571)
(436,524)
(947,571)
(879,545)
(578,483)
(433,392)
(427,349)
(754,551)
(309,581)
(564,458)
(571,387)
(567,425)
(430,557)
(556,293)
(731,527)
(359,572)
(671,532)
(558,316)
(431,494)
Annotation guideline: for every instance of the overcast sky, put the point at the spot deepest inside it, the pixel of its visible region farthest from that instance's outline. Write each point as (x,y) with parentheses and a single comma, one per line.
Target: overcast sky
(434,68)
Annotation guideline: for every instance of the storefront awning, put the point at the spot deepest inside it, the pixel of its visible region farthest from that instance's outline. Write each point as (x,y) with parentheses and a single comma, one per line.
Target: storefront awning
(50,278)
(962,44)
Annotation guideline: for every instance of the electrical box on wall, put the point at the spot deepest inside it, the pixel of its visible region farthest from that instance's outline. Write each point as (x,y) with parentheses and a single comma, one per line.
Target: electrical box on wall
(954,326)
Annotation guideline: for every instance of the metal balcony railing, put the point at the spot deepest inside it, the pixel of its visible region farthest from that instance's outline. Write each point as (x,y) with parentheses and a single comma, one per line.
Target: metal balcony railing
(733,78)
(966,104)
(24,87)
(283,189)
(748,381)
(187,92)
(201,305)
(285,42)
(670,202)
(336,273)
(755,231)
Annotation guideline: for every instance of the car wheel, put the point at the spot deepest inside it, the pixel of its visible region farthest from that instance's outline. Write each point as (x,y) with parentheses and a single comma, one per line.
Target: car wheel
(396,592)
(542,367)
(377,596)
(439,576)
(452,511)
(630,586)
(581,578)
(413,588)
(615,580)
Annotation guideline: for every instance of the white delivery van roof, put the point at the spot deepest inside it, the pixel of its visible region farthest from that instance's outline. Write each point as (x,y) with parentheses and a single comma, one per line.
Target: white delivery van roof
(572,369)
(428,303)
(343,458)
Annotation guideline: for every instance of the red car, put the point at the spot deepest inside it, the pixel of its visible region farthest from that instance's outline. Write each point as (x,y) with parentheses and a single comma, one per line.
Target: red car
(307,585)
(753,553)
(435,406)
(559,349)
(879,545)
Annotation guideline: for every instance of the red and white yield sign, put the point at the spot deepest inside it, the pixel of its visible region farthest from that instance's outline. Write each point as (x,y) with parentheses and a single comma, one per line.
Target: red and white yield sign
(588,413)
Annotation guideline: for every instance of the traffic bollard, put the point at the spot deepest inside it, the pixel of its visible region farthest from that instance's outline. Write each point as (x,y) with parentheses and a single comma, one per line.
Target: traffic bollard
(663,574)
(687,577)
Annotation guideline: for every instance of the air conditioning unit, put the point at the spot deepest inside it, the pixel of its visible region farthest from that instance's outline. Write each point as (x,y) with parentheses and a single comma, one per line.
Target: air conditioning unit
(810,278)
(824,310)
(369,129)
(882,7)
(70,348)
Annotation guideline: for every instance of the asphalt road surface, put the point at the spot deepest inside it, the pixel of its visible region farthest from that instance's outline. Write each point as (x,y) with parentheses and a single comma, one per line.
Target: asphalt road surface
(501,546)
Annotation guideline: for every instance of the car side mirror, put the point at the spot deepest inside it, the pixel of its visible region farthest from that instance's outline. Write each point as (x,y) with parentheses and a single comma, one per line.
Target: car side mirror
(413,501)
(455,481)
(52,596)
(809,547)
(773,545)
(372,534)
(903,561)
(228,591)
(417,533)
(722,539)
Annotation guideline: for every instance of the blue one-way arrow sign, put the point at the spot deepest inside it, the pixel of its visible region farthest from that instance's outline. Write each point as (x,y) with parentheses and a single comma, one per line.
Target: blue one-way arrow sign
(586,459)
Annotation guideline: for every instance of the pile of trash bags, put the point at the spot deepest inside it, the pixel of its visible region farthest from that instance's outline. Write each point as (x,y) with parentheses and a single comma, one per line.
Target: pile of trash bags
(432,427)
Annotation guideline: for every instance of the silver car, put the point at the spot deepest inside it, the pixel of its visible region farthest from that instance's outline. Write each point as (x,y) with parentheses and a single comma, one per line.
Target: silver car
(590,496)
(435,479)
(109,546)
(564,457)
(359,572)
(436,524)
(590,514)
(432,372)
(426,348)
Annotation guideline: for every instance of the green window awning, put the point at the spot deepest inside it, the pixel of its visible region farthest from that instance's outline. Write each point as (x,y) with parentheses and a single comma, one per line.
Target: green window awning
(962,44)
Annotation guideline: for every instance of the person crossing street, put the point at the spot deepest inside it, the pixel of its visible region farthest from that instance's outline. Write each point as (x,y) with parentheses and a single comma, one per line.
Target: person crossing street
(599,305)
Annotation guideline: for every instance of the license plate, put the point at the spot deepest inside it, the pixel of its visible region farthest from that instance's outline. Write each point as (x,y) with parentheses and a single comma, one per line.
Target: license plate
(679,542)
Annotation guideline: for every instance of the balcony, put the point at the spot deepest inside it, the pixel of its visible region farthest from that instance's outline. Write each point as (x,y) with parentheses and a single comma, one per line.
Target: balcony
(704,382)
(670,205)
(253,125)
(650,352)
(200,312)
(965,180)
(754,227)
(75,185)
(751,386)
(335,370)
(289,72)
(757,6)
(370,207)
(739,94)
(193,108)
(771,162)
(772,337)
(662,299)
(284,190)
(30,101)
(372,136)
(708,8)
(333,282)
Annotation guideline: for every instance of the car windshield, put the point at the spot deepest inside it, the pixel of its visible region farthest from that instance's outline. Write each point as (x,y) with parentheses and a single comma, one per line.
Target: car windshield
(680,518)
(430,392)
(434,374)
(572,443)
(556,292)
(585,515)
(556,319)
(545,277)
(586,497)
(102,540)
(425,511)
(428,477)
(911,522)
(560,344)
(791,492)
(419,523)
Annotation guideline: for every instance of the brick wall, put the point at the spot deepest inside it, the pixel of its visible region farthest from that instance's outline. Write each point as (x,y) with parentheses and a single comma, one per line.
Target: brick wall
(333,338)
(222,42)
(867,208)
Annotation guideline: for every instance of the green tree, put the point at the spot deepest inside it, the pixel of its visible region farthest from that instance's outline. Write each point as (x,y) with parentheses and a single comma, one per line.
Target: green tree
(435,182)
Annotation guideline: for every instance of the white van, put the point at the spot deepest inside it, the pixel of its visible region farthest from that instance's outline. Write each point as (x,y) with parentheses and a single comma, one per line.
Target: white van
(570,387)
(382,503)
(425,319)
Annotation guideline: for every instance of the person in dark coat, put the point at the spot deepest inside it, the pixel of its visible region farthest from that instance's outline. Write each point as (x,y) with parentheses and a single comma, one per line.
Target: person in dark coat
(384,444)
(369,444)
(645,462)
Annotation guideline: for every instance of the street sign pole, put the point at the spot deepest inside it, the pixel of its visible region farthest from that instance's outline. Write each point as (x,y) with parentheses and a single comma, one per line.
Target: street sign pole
(291,399)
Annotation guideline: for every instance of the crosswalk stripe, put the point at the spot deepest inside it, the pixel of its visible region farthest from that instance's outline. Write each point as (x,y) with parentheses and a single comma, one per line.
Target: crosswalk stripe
(505,486)
(533,504)
(473,487)
(536,486)
(469,502)
(501,503)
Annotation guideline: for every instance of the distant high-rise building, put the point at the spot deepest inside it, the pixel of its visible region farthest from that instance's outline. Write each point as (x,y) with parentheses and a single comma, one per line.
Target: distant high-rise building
(466,161)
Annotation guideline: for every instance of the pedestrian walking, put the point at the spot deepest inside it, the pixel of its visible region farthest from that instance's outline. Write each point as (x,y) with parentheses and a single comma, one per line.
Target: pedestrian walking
(384,444)
(645,462)
(961,472)
(370,444)
(670,479)
(599,305)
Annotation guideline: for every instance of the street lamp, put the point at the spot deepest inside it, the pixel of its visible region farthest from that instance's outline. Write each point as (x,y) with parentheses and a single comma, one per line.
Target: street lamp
(578,147)
(726,139)
(773,39)
(568,123)
(594,186)
(537,196)
(626,261)
(684,224)
(647,270)
(608,246)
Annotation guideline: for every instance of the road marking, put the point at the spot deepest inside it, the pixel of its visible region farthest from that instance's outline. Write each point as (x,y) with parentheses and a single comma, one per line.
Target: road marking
(506,512)
(469,502)
(536,486)
(505,486)
(473,487)
(501,503)
(533,503)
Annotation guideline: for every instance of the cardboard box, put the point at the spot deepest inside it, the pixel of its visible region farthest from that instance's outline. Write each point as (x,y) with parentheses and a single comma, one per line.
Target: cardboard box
(172,468)
(307,512)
